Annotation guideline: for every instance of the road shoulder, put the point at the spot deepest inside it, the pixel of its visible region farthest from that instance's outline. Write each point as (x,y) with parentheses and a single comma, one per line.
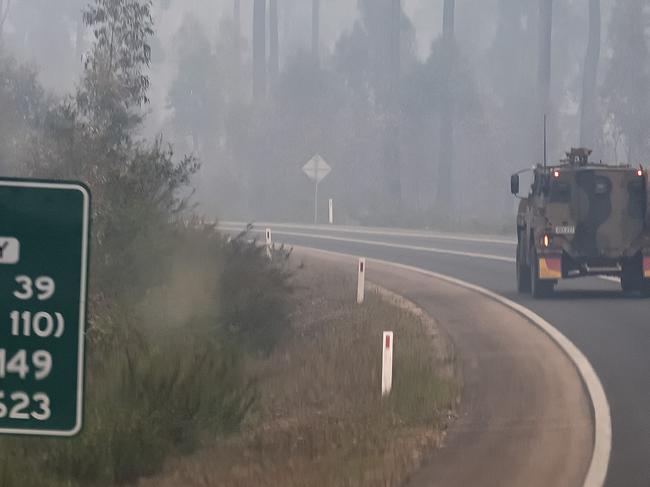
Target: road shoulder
(525,417)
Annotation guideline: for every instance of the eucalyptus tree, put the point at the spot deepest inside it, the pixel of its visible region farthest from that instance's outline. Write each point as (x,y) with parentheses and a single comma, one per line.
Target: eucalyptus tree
(446,142)
(259,49)
(588,104)
(274,47)
(627,78)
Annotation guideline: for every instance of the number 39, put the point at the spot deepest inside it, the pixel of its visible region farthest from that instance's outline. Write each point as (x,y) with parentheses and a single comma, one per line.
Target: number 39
(44,286)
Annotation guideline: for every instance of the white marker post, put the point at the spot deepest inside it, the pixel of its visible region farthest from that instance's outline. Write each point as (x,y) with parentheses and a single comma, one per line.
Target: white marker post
(361,280)
(331,212)
(387,345)
(269,243)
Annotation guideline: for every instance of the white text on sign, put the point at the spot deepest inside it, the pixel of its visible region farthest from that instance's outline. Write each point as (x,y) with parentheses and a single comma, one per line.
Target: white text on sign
(9,250)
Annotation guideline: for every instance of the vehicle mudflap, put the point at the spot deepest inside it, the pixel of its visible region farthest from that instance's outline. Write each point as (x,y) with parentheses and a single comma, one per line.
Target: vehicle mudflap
(550,267)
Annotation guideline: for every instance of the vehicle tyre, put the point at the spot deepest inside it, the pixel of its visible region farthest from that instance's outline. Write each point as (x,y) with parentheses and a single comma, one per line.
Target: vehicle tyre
(539,288)
(629,281)
(523,272)
(632,276)
(645,288)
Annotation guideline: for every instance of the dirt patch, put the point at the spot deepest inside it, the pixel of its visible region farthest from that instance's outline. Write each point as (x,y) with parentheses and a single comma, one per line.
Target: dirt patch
(320,418)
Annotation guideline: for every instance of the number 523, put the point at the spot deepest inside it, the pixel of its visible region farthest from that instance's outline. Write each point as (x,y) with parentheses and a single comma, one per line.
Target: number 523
(19,409)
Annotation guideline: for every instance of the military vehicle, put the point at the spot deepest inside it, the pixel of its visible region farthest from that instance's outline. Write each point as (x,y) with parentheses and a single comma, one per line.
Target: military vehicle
(582,218)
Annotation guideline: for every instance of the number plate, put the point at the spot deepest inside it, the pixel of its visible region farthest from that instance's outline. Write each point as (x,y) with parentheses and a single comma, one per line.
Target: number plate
(565,230)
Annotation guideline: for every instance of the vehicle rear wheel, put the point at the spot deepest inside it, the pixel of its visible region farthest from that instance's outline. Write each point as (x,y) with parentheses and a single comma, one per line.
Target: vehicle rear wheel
(523,272)
(632,277)
(645,288)
(629,281)
(539,288)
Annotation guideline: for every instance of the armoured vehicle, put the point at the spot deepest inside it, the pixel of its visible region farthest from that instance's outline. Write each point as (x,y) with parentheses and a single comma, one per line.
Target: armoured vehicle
(582,218)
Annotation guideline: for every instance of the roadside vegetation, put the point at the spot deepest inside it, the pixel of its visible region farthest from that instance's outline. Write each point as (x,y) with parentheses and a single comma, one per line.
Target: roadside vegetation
(320,419)
(195,340)
(176,310)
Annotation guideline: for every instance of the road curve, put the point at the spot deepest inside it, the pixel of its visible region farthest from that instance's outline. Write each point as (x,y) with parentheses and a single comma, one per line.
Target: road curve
(525,418)
(610,328)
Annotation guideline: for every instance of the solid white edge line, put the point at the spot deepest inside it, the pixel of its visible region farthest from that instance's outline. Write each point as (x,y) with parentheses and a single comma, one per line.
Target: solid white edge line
(597,472)
(383,231)
(384,244)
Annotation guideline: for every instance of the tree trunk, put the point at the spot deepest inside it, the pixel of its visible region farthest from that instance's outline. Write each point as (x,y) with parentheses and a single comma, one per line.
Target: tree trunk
(236,19)
(392,153)
(259,50)
(315,31)
(4,12)
(590,75)
(79,38)
(274,49)
(544,60)
(444,202)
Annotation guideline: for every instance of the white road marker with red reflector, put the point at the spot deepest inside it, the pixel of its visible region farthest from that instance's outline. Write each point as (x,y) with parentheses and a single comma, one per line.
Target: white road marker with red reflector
(387,363)
(269,243)
(361,280)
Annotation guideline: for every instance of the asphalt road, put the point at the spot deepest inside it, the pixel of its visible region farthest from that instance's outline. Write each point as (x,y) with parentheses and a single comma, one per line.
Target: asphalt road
(610,328)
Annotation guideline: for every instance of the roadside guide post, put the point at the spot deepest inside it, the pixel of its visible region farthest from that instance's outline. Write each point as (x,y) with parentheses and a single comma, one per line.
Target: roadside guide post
(387,363)
(331,211)
(269,243)
(316,169)
(361,280)
(43,273)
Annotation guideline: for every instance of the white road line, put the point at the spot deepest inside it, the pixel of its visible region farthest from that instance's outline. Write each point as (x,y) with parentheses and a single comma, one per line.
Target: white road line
(382,231)
(597,472)
(385,244)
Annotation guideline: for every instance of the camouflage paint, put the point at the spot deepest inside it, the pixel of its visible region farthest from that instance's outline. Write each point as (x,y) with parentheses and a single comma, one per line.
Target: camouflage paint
(606,206)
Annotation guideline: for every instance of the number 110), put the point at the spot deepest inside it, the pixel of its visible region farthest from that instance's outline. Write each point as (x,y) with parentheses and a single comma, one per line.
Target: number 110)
(43,324)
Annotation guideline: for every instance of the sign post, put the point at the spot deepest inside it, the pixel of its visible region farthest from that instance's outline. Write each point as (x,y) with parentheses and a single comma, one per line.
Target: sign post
(43,272)
(316,169)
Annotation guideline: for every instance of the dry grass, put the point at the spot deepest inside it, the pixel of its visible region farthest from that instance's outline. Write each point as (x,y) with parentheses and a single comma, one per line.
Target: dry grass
(320,420)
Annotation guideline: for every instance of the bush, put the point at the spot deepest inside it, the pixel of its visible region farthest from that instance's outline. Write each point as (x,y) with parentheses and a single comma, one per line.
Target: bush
(151,401)
(249,277)
(173,307)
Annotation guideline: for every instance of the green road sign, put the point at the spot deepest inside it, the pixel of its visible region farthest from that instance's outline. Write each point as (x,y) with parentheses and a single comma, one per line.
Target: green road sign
(43,267)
